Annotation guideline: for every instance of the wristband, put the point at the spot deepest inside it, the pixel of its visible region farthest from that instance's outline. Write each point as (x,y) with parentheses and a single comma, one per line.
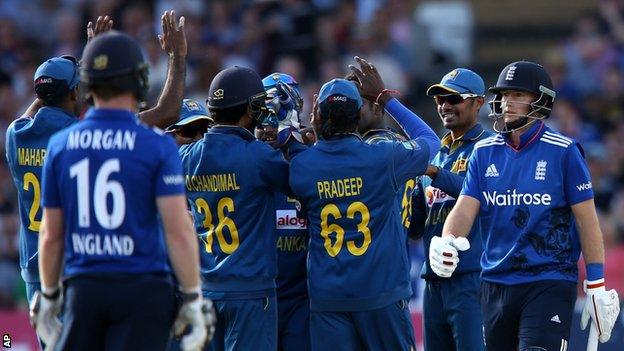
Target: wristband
(391,91)
(192,294)
(50,293)
(595,271)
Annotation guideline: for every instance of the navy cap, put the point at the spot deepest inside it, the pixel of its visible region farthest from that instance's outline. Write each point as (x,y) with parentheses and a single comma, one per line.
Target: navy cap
(190,112)
(339,94)
(234,86)
(458,81)
(57,75)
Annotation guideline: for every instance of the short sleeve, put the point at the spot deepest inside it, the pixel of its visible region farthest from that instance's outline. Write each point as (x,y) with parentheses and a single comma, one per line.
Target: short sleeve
(409,160)
(49,183)
(472,184)
(576,178)
(169,177)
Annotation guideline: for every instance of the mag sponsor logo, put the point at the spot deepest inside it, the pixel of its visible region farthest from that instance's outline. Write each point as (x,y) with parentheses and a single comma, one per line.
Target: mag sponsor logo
(436,196)
(584,186)
(514,198)
(287,219)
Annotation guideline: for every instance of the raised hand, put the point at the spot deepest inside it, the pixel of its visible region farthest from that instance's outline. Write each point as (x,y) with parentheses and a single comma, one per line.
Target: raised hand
(369,81)
(102,25)
(173,39)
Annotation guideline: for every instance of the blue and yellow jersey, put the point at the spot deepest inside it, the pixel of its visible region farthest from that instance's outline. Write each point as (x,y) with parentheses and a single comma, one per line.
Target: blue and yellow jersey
(106,174)
(357,254)
(438,197)
(292,248)
(406,191)
(231,180)
(26,143)
(525,194)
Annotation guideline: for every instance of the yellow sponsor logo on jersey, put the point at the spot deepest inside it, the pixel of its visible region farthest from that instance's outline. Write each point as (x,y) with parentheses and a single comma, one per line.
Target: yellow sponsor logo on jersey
(30,157)
(328,189)
(212,182)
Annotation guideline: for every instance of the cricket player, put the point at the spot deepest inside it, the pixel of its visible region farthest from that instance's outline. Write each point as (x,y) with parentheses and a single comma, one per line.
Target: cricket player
(451,309)
(358,269)
(281,130)
(57,105)
(108,184)
(231,180)
(531,189)
(194,121)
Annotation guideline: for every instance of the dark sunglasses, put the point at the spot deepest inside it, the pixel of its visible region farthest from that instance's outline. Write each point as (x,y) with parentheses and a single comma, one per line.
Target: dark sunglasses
(452,99)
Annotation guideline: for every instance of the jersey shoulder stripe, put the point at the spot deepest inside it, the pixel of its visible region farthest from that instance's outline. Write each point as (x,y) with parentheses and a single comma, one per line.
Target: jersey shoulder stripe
(490,141)
(557,140)
(558,135)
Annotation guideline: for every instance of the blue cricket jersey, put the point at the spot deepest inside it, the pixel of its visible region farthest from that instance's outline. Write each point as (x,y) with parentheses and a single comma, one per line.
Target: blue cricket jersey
(525,194)
(292,248)
(438,197)
(106,173)
(404,194)
(357,256)
(26,143)
(231,180)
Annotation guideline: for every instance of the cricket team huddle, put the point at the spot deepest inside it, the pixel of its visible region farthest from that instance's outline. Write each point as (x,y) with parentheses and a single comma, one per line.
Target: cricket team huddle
(234,227)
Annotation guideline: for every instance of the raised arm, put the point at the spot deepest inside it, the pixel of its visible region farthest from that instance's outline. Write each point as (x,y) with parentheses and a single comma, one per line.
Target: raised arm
(372,87)
(173,42)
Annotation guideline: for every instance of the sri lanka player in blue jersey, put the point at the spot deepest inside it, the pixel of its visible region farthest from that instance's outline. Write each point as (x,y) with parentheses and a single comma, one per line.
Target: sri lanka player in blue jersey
(451,311)
(108,184)
(56,86)
(532,191)
(280,129)
(231,180)
(358,269)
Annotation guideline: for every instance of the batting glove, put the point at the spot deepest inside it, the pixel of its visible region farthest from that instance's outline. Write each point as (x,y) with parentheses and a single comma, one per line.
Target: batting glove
(602,306)
(44,310)
(443,254)
(199,313)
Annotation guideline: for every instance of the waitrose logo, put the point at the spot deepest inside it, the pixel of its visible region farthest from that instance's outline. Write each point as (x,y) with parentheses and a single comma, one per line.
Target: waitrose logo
(514,198)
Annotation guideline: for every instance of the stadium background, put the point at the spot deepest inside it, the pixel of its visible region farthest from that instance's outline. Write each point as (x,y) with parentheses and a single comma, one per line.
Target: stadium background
(414,43)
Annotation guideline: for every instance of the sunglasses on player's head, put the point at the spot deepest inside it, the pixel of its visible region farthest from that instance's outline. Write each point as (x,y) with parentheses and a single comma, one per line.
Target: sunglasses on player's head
(452,99)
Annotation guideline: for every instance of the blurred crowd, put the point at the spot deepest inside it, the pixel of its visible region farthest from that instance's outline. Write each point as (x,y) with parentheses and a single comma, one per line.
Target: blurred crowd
(313,40)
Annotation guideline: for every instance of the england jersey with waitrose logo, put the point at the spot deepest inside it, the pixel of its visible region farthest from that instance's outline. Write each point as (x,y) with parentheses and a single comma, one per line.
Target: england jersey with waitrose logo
(525,195)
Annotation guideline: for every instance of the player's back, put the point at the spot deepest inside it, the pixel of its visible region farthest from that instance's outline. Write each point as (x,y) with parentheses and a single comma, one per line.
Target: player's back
(26,143)
(230,180)
(105,173)
(357,253)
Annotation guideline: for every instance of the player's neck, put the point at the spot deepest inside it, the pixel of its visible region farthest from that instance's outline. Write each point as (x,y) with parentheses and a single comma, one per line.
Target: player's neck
(120,102)
(517,134)
(457,133)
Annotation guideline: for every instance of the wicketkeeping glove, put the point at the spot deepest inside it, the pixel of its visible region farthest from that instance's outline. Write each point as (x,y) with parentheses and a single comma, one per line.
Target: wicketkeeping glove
(199,313)
(44,311)
(602,306)
(443,255)
(287,104)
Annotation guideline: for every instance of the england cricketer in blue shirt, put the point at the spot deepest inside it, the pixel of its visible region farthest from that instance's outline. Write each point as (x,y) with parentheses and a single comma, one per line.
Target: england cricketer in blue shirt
(532,191)
(57,106)
(106,180)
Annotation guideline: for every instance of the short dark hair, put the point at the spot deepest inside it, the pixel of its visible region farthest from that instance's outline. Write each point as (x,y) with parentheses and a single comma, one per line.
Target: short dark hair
(229,115)
(105,91)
